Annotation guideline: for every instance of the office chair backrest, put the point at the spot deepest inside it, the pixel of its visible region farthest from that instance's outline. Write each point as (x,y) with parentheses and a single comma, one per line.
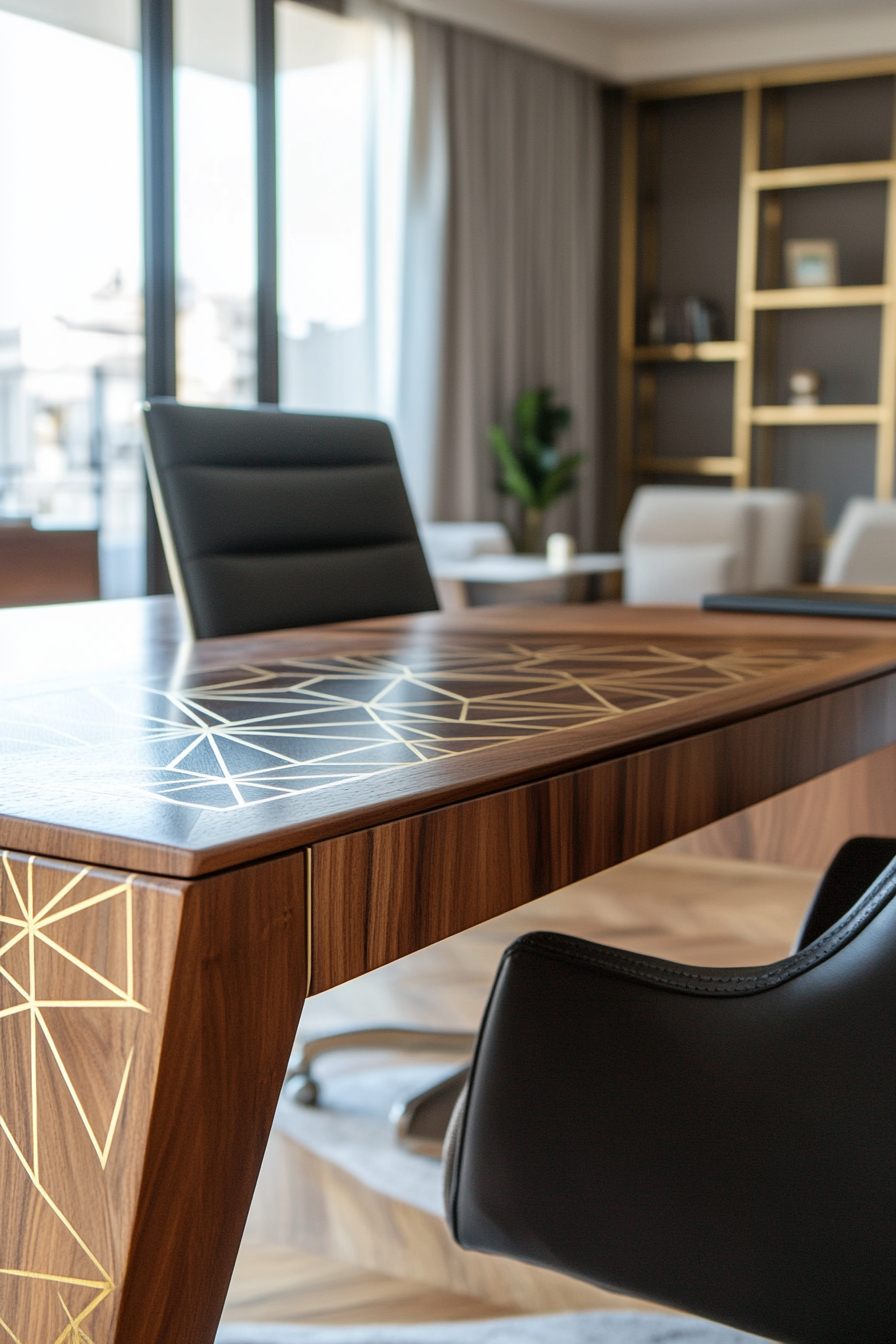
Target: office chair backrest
(721,1141)
(274,519)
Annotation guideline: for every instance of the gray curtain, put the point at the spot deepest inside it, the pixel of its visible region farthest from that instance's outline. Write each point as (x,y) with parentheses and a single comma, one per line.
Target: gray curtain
(519,293)
(426,213)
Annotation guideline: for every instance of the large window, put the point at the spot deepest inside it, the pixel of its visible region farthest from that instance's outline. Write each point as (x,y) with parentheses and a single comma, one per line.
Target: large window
(343,102)
(215,201)
(71,275)
(72,218)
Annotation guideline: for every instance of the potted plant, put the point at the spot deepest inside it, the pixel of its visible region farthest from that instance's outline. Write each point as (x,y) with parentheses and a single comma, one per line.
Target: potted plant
(530,466)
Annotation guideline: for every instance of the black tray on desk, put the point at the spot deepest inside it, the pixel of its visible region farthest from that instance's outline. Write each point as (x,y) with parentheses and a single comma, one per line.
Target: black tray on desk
(865,603)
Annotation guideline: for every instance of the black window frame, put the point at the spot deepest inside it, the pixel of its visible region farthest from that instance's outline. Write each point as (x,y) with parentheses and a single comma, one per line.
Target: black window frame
(160,268)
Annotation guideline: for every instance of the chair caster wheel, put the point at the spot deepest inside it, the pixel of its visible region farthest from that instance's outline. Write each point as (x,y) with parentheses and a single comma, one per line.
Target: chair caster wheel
(303,1091)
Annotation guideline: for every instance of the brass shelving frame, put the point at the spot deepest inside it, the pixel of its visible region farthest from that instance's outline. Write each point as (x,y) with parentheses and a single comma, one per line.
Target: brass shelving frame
(758,229)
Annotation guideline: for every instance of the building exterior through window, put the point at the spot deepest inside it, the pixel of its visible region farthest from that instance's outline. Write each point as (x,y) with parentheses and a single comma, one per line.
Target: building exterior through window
(71,276)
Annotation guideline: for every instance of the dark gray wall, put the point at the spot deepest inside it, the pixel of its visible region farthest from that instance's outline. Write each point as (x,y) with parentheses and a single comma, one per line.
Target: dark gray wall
(699,195)
(846,121)
(836,462)
(854,216)
(608,495)
(842,344)
(694,409)
(699,188)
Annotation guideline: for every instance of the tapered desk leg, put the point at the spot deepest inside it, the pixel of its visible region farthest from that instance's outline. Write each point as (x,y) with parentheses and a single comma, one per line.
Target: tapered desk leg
(145,1028)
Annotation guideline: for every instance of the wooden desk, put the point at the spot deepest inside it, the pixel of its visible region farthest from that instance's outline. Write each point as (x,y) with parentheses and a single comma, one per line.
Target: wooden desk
(183,822)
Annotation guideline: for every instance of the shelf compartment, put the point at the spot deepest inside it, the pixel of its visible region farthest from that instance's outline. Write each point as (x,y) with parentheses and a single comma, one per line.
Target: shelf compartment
(821,175)
(709,352)
(823,296)
(692,466)
(818,415)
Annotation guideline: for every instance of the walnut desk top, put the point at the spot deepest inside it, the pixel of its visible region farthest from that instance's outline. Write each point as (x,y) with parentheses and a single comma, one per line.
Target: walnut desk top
(124,746)
(196,835)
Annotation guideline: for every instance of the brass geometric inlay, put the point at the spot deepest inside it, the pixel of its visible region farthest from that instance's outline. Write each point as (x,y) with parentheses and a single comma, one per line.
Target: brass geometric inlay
(44,984)
(247,735)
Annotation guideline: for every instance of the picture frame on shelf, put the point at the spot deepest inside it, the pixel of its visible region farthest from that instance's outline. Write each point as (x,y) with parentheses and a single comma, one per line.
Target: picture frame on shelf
(812,263)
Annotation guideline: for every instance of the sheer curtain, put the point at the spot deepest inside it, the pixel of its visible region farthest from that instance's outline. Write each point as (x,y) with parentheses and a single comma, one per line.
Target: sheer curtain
(423,275)
(344,108)
(439,241)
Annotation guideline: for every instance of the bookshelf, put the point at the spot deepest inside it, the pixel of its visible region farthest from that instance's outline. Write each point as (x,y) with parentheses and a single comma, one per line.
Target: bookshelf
(747,451)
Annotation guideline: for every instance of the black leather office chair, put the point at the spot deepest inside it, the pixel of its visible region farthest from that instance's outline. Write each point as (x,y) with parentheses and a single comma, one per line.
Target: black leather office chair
(272,519)
(720,1141)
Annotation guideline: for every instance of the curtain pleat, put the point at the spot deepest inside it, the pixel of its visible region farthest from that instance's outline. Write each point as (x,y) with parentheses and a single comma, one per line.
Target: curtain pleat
(519,282)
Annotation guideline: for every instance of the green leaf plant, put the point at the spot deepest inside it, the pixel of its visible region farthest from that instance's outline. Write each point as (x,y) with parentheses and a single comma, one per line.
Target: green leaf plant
(529,466)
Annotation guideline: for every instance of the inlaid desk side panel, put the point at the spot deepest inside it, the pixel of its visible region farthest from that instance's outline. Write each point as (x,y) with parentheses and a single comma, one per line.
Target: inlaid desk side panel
(237,991)
(145,1028)
(86,959)
(381,893)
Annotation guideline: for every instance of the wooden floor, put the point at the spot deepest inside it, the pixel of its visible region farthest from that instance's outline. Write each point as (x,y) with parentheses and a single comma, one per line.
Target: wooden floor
(282,1284)
(687,908)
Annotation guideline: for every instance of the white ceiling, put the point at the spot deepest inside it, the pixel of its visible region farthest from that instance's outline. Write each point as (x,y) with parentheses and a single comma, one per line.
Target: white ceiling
(635,15)
(622,40)
(632,40)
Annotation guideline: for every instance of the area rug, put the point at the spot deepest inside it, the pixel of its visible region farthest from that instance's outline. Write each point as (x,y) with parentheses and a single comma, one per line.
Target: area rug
(585,1327)
(350,1128)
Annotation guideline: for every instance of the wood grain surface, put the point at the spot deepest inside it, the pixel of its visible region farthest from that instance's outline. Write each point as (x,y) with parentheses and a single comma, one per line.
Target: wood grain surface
(238,986)
(85,971)
(40,566)
(282,1284)
(807,825)
(145,1030)
(617,618)
(242,749)
(381,893)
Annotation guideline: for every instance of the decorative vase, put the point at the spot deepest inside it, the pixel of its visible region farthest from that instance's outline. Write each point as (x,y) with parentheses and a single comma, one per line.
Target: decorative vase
(533,523)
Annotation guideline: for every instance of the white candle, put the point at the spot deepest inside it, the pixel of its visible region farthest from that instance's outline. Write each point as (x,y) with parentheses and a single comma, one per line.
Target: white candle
(560,551)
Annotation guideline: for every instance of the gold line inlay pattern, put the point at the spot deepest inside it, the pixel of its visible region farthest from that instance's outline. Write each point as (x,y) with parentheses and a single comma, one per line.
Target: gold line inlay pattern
(32,929)
(244,736)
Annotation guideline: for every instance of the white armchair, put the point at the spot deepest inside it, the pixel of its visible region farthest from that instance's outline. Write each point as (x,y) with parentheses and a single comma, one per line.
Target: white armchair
(776,558)
(679,543)
(451,542)
(863,547)
(447,545)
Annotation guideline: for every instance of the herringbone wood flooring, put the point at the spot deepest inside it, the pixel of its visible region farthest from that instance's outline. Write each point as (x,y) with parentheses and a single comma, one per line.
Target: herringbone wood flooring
(707,911)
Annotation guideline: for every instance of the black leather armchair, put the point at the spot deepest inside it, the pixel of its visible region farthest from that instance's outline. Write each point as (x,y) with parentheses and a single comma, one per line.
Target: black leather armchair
(272,519)
(720,1141)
